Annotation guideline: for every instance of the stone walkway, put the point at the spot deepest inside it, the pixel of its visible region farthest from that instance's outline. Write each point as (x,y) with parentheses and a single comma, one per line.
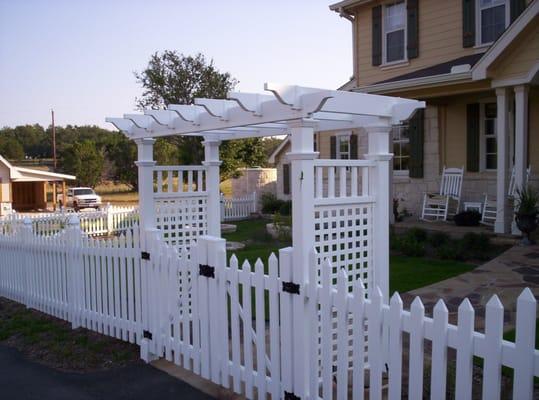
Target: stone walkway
(507,275)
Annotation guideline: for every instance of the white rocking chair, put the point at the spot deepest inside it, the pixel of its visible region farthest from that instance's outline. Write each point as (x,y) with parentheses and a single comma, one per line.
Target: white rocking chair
(489,206)
(446,203)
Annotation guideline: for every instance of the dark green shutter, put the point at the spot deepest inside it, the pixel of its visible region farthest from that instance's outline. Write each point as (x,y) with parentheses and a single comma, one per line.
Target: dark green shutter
(517,6)
(286,178)
(416,133)
(413,28)
(377,35)
(333,147)
(472,137)
(353,147)
(468,23)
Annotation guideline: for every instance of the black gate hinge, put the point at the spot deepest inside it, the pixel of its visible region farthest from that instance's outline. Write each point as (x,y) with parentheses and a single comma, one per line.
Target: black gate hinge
(206,270)
(291,287)
(290,396)
(147,335)
(145,255)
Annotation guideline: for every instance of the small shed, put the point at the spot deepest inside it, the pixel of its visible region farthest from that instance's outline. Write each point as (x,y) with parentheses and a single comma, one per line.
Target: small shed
(25,189)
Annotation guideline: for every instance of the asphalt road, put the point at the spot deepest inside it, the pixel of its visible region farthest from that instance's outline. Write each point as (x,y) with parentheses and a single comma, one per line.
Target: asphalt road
(23,379)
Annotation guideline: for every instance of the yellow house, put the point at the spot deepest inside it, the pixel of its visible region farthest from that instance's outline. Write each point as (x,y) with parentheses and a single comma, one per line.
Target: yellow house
(24,189)
(476,64)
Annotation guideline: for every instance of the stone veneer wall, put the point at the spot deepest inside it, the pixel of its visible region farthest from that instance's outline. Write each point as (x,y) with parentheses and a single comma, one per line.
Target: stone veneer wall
(259,180)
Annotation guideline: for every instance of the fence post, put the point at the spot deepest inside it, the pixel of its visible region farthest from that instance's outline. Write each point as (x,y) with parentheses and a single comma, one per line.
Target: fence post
(75,270)
(109,218)
(26,237)
(212,163)
(379,151)
(302,157)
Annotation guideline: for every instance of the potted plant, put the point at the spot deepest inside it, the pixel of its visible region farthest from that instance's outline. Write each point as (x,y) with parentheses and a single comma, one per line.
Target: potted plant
(526,211)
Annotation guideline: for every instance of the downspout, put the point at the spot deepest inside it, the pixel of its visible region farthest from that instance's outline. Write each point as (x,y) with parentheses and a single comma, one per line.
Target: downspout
(350,17)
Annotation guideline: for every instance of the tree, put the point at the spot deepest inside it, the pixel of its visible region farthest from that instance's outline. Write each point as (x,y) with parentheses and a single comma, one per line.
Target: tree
(173,78)
(10,148)
(85,161)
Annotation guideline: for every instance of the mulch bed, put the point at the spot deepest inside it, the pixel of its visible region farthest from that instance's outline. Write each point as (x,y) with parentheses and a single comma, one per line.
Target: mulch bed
(52,342)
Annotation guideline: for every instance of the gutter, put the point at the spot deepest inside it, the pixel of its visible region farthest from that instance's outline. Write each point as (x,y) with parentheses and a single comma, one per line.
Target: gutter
(350,17)
(443,79)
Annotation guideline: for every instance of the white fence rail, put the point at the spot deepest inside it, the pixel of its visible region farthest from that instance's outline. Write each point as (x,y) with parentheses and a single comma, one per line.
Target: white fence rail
(237,208)
(107,221)
(265,330)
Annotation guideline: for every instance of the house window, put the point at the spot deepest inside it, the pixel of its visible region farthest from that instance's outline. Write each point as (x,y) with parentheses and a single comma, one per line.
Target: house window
(493,17)
(394,32)
(401,148)
(343,147)
(490,145)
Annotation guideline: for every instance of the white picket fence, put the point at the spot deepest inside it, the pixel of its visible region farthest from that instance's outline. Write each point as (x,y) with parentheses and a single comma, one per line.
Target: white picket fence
(266,330)
(107,221)
(237,208)
(94,283)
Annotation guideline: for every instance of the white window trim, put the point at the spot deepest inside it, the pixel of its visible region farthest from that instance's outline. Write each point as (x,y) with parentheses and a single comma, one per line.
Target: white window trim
(338,145)
(483,137)
(400,172)
(478,43)
(404,60)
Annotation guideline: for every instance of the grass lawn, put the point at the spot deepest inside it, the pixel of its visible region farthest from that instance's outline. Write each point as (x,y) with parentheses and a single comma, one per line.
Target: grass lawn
(117,193)
(406,273)
(52,342)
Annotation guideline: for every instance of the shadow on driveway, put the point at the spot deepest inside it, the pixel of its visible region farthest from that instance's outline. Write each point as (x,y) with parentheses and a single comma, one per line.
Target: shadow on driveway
(23,379)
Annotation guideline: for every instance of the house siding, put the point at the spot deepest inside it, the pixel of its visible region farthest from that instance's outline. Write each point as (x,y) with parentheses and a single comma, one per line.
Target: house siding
(440,40)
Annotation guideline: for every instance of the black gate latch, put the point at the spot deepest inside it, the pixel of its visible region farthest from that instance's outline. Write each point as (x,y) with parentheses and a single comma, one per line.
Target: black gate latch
(147,335)
(290,396)
(206,270)
(291,287)
(145,255)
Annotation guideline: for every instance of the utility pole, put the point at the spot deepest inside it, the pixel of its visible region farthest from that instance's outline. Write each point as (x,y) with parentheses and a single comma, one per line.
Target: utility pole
(53,141)
(54,160)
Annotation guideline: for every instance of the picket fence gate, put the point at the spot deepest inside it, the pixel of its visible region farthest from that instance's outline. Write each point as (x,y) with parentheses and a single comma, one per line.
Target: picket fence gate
(238,208)
(264,331)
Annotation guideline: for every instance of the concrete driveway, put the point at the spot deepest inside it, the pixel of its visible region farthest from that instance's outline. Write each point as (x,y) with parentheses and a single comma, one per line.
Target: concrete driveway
(23,379)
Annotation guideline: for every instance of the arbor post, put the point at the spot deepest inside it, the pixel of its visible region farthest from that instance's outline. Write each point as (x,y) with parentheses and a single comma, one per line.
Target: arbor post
(379,146)
(301,156)
(149,233)
(212,164)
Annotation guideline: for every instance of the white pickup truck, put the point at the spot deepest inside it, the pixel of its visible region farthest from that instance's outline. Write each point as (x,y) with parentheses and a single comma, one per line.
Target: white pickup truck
(81,197)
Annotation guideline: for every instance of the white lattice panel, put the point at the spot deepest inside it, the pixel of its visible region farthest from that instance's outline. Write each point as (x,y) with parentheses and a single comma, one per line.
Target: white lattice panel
(182,220)
(343,234)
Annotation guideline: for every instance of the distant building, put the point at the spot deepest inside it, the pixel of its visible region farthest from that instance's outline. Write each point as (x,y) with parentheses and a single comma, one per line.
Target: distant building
(26,189)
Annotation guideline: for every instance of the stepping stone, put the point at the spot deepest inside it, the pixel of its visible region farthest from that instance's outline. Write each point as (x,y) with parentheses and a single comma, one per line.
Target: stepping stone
(234,245)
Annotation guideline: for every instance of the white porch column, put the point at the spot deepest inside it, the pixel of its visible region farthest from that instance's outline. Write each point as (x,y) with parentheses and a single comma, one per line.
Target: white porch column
(521,140)
(503,212)
(145,164)
(301,156)
(521,134)
(379,151)
(211,161)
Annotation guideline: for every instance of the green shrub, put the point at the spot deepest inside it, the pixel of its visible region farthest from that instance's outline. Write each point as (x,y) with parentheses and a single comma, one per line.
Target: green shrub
(417,234)
(286,208)
(270,203)
(412,247)
(439,239)
(394,240)
(452,250)
(474,242)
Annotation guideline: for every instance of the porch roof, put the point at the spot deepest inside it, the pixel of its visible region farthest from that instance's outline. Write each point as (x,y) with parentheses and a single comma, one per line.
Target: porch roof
(20,174)
(245,115)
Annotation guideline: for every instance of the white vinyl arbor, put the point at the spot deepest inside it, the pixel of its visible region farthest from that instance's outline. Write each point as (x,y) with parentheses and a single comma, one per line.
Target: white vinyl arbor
(341,207)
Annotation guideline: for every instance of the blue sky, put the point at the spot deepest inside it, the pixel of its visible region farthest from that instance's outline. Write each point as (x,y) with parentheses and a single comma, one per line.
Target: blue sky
(78,56)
